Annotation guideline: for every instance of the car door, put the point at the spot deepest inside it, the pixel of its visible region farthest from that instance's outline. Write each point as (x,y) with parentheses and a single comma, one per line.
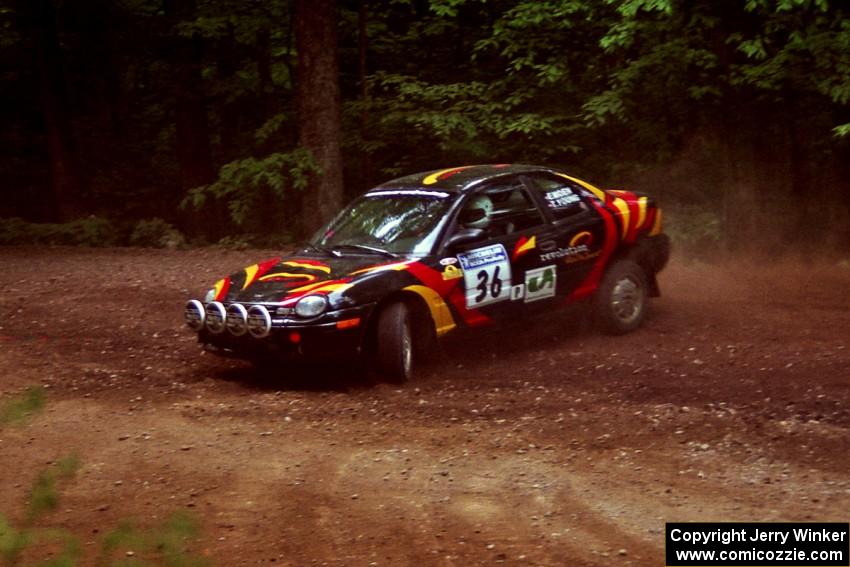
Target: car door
(497,267)
(578,229)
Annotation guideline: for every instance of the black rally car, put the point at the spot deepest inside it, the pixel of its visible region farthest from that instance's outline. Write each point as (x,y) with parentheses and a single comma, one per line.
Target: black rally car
(420,256)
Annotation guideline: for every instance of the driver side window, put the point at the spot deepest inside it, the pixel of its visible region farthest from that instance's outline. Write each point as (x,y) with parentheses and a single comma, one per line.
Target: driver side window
(501,210)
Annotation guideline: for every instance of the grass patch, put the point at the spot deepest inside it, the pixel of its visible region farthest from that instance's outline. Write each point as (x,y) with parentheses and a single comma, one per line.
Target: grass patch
(124,546)
(165,544)
(22,407)
(44,496)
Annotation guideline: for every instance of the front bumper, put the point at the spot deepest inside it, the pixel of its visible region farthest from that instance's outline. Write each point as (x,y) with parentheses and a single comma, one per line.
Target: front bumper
(334,334)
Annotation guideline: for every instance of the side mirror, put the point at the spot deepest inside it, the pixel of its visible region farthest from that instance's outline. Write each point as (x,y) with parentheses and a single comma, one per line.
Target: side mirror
(464,236)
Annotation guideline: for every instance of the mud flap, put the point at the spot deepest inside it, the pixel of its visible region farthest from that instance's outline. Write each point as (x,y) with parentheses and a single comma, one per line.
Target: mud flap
(652,282)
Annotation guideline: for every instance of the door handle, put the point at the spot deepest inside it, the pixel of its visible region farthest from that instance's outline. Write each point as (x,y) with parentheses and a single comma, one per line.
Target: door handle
(547,245)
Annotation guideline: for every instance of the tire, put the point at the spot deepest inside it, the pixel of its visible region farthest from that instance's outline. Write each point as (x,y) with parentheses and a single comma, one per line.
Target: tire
(620,302)
(395,348)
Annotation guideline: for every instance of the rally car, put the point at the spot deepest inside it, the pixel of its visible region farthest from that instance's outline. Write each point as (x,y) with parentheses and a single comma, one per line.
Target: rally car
(420,256)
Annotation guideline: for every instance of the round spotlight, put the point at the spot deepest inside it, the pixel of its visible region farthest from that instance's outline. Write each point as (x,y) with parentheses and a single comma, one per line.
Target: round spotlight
(237,320)
(194,315)
(259,322)
(216,316)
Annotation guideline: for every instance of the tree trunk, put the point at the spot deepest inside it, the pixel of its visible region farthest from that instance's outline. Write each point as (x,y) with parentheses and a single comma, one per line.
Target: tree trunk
(64,166)
(318,106)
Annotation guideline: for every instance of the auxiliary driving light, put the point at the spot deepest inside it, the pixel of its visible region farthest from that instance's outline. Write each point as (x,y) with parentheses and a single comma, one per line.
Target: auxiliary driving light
(215,317)
(237,320)
(193,314)
(259,322)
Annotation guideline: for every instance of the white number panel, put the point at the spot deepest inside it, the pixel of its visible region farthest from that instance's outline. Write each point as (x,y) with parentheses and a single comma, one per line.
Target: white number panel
(486,275)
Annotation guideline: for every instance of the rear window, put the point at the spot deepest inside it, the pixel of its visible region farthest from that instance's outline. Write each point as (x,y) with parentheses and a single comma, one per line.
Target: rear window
(562,198)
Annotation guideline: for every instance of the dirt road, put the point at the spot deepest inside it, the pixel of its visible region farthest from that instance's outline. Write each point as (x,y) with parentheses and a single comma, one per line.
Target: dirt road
(546,445)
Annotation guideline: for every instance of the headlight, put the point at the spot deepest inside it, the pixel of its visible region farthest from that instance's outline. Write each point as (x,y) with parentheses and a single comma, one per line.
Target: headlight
(209,296)
(311,306)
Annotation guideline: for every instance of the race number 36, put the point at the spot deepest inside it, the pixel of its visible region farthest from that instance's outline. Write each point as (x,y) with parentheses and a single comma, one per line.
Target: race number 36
(487,275)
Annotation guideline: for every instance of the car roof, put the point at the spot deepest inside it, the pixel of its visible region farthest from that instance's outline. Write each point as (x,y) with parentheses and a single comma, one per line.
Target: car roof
(457,179)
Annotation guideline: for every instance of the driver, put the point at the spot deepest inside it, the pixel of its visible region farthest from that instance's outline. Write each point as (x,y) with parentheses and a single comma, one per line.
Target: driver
(480,219)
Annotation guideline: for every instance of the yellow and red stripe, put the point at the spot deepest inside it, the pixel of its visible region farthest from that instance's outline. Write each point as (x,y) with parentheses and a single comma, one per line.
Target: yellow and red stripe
(286,275)
(523,246)
(443,174)
(308,265)
(221,288)
(257,270)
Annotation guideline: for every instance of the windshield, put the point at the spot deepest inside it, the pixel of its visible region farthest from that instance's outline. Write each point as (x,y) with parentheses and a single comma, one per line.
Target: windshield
(400,222)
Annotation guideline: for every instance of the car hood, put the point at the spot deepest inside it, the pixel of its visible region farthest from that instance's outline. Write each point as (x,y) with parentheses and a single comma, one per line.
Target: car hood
(285,279)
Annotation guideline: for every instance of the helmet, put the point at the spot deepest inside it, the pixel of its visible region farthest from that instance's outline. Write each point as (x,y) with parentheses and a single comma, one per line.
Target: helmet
(479,203)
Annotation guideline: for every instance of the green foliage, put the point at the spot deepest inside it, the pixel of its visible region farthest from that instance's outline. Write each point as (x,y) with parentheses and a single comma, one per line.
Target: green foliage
(609,89)
(44,496)
(167,542)
(799,45)
(842,130)
(244,184)
(12,542)
(271,127)
(90,231)
(156,233)
(22,407)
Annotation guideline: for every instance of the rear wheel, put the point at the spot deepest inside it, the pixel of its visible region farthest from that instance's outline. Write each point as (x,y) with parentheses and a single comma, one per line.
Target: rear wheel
(394,348)
(620,301)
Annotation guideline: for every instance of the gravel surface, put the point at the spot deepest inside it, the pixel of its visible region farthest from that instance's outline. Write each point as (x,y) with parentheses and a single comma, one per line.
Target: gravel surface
(543,444)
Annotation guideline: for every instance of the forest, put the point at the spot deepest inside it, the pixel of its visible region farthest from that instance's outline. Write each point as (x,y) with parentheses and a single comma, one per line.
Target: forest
(172,122)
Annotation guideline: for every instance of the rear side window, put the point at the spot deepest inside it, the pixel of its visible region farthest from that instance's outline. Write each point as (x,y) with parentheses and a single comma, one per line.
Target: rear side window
(562,198)
(513,208)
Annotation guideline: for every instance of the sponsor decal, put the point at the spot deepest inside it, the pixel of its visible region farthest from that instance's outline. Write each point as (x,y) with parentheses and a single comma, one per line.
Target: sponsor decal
(482,256)
(487,275)
(582,255)
(540,283)
(578,250)
(561,198)
(583,237)
(448,261)
(452,272)
(517,292)
(564,252)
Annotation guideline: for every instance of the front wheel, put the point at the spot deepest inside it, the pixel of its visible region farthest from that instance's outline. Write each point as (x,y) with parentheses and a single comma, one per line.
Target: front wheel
(394,349)
(620,302)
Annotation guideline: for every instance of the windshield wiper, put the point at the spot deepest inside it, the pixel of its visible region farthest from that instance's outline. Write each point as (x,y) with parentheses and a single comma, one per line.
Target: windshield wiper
(363,247)
(309,245)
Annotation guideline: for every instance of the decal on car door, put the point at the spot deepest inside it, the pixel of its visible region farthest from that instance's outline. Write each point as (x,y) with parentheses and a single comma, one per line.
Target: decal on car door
(486,275)
(540,283)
